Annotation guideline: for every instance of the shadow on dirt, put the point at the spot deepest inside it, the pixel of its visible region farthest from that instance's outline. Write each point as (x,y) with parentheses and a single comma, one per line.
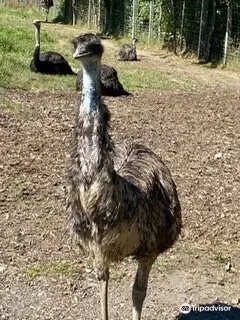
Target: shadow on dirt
(214,311)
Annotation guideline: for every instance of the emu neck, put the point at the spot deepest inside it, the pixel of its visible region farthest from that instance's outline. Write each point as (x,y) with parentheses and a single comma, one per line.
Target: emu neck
(37,37)
(93,143)
(91,92)
(36,54)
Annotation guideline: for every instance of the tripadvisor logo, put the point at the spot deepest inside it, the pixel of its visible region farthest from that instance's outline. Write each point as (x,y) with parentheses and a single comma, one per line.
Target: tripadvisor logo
(187,308)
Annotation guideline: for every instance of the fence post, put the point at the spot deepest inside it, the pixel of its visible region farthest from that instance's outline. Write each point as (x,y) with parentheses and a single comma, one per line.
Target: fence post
(151,9)
(228,29)
(134,17)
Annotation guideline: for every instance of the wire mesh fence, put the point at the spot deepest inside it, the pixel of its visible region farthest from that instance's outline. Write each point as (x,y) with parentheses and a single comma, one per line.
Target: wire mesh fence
(209,29)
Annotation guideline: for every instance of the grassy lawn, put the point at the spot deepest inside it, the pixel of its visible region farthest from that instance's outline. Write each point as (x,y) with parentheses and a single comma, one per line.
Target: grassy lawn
(17,43)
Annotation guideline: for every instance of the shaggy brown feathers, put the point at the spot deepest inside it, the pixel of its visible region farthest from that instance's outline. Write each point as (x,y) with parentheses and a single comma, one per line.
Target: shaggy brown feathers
(121,201)
(127,52)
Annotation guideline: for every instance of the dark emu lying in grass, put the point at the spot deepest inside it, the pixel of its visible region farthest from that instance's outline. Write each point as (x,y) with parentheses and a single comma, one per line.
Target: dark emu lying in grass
(110,84)
(120,201)
(48,62)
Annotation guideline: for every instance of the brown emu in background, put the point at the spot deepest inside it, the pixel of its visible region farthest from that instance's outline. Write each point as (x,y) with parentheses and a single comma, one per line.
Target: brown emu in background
(110,84)
(128,52)
(46,5)
(121,201)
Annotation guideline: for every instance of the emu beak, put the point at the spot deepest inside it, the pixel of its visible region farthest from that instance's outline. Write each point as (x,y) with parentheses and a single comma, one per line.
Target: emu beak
(77,54)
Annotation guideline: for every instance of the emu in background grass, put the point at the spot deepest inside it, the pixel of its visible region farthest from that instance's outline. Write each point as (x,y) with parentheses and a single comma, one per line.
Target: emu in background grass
(49,62)
(121,201)
(46,5)
(110,84)
(128,52)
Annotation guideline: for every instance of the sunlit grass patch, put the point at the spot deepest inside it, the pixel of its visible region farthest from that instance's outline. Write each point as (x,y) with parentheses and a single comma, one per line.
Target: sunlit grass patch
(116,274)
(233,62)
(163,265)
(222,259)
(51,269)
(10,105)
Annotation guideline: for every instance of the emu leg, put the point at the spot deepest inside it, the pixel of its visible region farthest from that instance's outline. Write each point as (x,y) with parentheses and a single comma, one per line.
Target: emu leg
(103,286)
(140,286)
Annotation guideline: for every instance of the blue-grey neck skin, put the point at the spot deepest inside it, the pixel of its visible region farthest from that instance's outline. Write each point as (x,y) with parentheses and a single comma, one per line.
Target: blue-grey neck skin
(91,92)
(93,140)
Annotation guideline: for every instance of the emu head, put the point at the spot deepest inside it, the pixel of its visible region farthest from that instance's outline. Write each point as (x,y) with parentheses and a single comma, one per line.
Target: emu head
(37,24)
(134,41)
(87,46)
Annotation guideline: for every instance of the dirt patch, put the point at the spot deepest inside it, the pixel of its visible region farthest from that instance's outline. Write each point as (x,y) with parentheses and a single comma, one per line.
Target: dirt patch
(196,134)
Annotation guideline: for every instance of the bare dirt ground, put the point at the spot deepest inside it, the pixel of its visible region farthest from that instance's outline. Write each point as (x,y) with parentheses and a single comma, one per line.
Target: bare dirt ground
(197,134)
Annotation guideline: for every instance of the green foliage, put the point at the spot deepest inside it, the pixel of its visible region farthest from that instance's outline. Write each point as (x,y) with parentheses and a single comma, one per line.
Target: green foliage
(10,39)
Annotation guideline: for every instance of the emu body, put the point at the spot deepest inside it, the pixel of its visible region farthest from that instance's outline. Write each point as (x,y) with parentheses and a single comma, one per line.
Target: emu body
(121,201)
(48,62)
(110,84)
(128,52)
(46,5)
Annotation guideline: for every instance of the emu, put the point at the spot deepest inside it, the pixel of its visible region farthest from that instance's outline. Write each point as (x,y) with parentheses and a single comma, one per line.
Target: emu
(46,5)
(121,201)
(110,84)
(49,62)
(128,52)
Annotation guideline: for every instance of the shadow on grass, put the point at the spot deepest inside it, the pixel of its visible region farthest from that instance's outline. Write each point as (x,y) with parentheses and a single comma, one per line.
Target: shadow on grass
(214,311)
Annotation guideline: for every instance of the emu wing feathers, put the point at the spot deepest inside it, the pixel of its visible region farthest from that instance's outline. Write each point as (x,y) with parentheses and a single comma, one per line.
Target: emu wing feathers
(146,180)
(52,57)
(50,63)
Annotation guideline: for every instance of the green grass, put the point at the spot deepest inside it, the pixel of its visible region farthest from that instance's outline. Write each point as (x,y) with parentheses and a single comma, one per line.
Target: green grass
(233,62)
(163,266)
(116,274)
(53,269)
(10,105)
(17,42)
(222,259)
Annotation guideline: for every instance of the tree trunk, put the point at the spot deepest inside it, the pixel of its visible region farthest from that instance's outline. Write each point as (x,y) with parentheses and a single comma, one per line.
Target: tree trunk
(206,55)
(114,17)
(202,29)
(99,15)
(173,26)
(160,20)
(182,25)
